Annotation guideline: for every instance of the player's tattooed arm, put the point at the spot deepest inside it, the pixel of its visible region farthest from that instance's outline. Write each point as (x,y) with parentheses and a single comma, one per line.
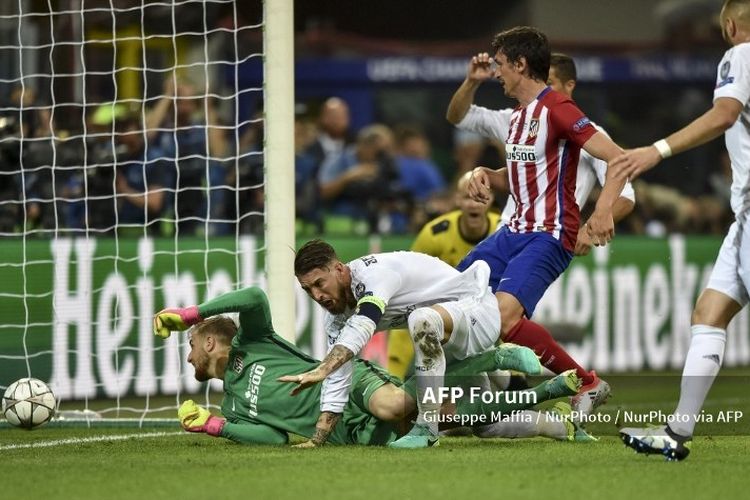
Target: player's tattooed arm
(333,361)
(335,358)
(326,423)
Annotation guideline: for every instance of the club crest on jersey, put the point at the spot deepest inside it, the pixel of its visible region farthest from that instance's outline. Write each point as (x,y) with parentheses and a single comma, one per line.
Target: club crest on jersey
(533,127)
(238,364)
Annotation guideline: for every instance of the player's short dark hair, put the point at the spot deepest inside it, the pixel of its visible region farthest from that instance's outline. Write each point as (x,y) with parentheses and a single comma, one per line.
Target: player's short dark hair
(314,254)
(220,327)
(565,67)
(526,42)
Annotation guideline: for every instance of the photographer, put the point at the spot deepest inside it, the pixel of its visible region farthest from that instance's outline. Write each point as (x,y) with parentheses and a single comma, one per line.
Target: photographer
(364,182)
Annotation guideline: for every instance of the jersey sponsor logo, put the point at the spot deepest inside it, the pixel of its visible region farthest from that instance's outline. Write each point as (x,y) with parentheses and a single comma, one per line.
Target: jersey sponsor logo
(578,126)
(370,259)
(533,127)
(520,152)
(253,388)
(238,364)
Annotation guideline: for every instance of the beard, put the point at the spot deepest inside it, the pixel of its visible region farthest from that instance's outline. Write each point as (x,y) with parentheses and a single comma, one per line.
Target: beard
(201,370)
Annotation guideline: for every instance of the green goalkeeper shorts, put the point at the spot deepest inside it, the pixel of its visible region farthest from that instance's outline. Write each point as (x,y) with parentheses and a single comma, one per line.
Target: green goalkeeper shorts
(368,378)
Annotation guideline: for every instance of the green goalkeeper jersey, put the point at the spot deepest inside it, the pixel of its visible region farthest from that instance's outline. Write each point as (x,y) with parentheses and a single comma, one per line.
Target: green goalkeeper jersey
(259,408)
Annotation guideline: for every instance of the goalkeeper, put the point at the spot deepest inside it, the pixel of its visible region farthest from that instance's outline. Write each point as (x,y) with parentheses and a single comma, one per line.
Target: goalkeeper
(258,409)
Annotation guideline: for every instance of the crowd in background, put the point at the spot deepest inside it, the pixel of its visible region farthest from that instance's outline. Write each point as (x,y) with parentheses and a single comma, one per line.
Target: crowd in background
(175,166)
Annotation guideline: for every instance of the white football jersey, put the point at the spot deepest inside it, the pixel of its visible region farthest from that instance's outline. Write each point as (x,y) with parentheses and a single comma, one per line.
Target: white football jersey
(733,80)
(495,124)
(404,281)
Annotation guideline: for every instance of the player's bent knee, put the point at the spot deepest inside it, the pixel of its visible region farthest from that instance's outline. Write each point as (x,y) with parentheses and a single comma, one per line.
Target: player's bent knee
(714,309)
(511,311)
(391,403)
(425,323)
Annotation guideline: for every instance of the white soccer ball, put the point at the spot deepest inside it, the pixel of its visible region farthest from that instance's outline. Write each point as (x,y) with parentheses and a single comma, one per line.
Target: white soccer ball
(28,403)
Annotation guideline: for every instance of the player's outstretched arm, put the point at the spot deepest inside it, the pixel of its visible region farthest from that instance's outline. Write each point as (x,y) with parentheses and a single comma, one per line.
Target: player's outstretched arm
(336,357)
(251,299)
(323,428)
(253,434)
(175,319)
(706,127)
(194,418)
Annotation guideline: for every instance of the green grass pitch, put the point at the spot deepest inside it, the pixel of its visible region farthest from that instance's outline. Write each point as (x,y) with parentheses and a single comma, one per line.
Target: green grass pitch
(166,463)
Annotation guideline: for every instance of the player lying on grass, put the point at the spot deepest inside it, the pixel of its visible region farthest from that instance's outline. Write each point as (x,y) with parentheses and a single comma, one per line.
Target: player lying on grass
(451,316)
(258,409)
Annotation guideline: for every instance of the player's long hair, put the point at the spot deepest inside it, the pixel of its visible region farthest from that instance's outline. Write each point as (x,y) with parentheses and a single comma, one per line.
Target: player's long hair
(526,42)
(314,254)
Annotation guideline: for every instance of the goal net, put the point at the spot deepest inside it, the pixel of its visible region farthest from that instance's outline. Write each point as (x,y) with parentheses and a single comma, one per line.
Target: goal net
(132,177)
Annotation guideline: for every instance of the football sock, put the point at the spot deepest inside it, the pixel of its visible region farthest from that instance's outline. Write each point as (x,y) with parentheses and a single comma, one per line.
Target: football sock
(702,364)
(553,356)
(426,329)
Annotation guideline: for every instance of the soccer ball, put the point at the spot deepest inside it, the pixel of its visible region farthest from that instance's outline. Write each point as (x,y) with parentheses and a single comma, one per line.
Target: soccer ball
(28,403)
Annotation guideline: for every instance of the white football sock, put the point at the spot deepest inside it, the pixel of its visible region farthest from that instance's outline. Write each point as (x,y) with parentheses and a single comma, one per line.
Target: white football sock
(426,330)
(702,364)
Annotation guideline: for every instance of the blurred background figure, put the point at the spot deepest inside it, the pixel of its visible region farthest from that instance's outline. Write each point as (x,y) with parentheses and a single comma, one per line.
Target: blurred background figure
(142,177)
(364,183)
(198,146)
(419,175)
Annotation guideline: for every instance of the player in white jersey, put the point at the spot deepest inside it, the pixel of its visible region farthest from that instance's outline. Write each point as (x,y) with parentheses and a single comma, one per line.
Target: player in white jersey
(450,316)
(496,124)
(727,290)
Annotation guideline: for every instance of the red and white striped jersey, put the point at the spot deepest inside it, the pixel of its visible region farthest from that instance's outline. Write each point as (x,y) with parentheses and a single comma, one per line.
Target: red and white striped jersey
(494,123)
(542,151)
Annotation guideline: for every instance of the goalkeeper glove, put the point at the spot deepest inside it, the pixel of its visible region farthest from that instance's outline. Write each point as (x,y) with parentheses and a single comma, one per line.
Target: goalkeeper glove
(194,418)
(175,318)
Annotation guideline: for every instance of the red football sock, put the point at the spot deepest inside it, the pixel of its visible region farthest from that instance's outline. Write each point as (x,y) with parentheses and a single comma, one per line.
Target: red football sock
(553,356)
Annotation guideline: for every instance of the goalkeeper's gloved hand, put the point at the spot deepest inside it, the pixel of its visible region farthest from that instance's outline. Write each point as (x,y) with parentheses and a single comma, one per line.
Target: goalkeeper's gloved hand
(194,418)
(175,318)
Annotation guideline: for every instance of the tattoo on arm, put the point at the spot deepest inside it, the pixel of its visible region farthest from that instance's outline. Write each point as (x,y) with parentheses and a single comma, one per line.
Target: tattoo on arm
(326,422)
(337,357)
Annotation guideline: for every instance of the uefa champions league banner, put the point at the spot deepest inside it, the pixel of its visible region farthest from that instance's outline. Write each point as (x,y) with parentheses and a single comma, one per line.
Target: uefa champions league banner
(77,312)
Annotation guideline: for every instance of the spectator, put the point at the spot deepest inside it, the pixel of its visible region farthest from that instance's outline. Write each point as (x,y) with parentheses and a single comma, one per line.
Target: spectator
(198,146)
(364,183)
(315,156)
(142,177)
(333,135)
(418,174)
